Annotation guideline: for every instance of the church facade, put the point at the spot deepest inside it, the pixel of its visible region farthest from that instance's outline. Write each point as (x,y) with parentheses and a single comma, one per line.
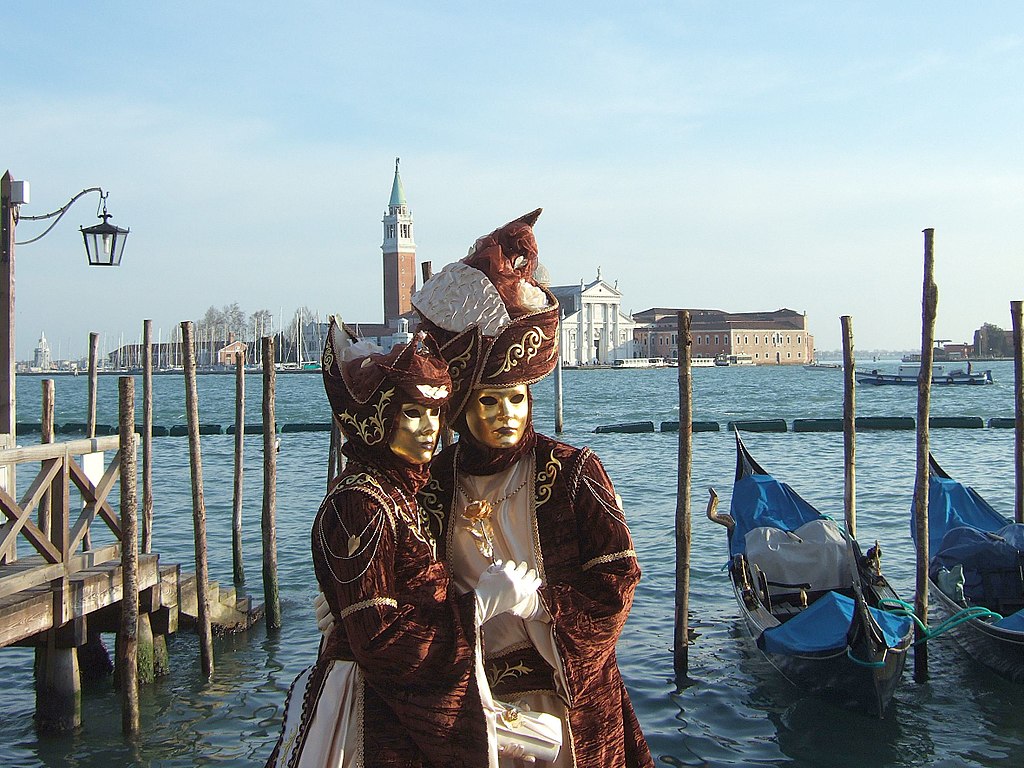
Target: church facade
(594,329)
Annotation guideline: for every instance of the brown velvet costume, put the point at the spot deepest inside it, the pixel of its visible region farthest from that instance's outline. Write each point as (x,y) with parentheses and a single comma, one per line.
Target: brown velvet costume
(590,573)
(396,613)
(586,555)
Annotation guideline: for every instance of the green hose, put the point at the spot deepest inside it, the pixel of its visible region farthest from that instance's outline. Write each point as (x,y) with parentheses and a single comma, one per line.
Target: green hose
(901,608)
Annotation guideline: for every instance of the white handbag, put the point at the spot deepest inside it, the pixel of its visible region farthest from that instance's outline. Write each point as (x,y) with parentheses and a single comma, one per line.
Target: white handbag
(539,733)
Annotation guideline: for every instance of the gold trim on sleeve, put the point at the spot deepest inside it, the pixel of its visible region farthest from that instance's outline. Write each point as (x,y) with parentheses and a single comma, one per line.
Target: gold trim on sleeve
(371,603)
(624,554)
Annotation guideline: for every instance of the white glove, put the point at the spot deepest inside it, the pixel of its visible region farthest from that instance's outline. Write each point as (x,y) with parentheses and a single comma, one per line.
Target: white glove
(503,586)
(324,617)
(516,752)
(528,609)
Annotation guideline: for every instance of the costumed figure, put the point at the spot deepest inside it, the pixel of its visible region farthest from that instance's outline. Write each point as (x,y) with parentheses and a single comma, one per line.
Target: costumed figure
(399,678)
(503,492)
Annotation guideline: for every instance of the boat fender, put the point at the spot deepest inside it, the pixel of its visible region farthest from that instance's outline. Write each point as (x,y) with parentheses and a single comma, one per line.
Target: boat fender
(899,379)
(949,379)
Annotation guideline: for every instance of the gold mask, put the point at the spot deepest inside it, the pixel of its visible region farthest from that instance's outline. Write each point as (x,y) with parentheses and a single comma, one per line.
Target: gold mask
(497,416)
(415,435)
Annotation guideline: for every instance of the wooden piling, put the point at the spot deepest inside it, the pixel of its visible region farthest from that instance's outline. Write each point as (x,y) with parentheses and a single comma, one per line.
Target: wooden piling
(268,523)
(203,623)
(147,436)
(334,455)
(47,436)
(94,347)
(929,302)
(90,429)
(683,514)
(236,505)
(128,638)
(559,425)
(849,429)
(1018,410)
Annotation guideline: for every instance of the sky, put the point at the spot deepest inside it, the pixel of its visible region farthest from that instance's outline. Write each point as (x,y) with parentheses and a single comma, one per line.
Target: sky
(741,156)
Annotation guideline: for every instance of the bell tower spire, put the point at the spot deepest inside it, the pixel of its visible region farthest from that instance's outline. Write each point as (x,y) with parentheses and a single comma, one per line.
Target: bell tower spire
(399,249)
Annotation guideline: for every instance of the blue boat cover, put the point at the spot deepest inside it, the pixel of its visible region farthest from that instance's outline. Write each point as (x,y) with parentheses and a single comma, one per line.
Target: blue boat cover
(824,626)
(761,500)
(1014,622)
(991,560)
(951,505)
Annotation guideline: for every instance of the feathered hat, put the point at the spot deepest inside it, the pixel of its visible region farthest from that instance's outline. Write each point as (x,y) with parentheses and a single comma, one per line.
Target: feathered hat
(494,323)
(367,388)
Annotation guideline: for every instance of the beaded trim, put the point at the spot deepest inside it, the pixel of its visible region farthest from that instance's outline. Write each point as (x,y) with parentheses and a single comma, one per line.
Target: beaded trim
(600,560)
(371,603)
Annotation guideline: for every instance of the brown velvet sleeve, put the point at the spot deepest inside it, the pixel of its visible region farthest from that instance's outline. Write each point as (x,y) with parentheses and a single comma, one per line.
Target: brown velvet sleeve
(589,609)
(412,636)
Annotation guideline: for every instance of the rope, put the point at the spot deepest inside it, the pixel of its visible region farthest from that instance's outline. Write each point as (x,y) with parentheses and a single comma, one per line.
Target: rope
(901,608)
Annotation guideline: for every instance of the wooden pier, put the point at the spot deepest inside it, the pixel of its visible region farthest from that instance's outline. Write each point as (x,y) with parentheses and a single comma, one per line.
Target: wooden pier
(62,595)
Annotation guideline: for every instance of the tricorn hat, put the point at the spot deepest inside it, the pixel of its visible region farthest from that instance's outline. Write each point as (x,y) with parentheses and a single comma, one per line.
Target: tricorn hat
(492,321)
(367,387)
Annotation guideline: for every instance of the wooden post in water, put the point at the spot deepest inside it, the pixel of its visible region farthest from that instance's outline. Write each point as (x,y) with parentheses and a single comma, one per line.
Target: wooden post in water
(1018,411)
(683,514)
(334,456)
(236,505)
(849,429)
(94,346)
(128,640)
(929,302)
(47,436)
(559,425)
(90,429)
(269,529)
(147,436)
(203,623)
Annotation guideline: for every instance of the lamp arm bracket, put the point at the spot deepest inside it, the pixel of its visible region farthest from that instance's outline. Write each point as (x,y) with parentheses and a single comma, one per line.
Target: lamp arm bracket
(59,213)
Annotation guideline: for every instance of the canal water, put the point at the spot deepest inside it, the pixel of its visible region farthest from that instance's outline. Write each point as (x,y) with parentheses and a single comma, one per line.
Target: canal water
(735,712)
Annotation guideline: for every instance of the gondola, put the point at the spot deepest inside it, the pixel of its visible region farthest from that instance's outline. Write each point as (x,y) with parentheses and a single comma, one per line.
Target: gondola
(976,561)
(808,596)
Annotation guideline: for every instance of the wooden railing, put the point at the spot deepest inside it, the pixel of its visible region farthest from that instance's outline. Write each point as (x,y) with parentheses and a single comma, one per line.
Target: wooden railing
(56,537)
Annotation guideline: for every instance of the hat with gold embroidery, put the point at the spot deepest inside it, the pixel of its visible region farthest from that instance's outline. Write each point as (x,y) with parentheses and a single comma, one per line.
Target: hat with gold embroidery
(367,388)
(494,322)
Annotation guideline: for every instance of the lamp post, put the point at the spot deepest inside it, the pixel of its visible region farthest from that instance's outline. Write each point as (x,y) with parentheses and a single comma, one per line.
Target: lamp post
(104,246)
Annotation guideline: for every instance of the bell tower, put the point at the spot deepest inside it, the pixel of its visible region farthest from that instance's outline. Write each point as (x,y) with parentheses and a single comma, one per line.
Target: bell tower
(399,249)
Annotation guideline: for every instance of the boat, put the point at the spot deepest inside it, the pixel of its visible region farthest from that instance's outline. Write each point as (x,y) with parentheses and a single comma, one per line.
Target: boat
(816,366)
(907,374)
(741,358)
(976,556)
(702,362)
(807,595)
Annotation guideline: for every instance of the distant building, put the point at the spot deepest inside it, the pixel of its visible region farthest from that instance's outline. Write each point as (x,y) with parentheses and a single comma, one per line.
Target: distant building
(399,249)
(226,354)
(42,360)
(770,338)
(594,328)
(992,341)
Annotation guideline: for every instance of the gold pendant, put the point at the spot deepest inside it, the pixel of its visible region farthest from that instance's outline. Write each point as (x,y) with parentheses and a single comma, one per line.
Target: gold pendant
(353,545)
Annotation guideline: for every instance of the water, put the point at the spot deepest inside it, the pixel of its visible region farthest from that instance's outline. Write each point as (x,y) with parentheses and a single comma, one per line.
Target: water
(738,712)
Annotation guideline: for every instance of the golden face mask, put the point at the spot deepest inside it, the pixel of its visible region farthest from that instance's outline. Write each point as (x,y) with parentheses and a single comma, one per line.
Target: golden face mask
(415,434)
(497,416)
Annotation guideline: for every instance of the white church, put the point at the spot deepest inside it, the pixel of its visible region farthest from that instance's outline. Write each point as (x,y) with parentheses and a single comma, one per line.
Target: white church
(594,328)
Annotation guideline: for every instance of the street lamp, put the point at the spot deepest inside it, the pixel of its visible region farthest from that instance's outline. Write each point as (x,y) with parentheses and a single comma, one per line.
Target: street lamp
(104,246)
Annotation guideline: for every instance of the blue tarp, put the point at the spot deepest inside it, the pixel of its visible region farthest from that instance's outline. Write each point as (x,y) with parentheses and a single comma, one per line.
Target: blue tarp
(952,505)
(825,625)
(759,500)
(1014,622)
(991,561)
